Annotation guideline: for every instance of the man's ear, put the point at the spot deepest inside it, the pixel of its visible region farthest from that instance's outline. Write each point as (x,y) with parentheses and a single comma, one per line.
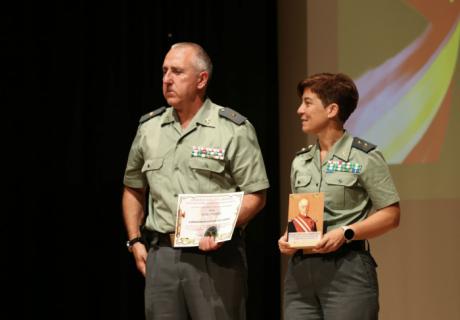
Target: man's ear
(203,78)
(333,110)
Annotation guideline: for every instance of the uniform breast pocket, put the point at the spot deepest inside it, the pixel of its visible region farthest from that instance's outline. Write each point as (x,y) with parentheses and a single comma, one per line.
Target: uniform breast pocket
(152,169)
(302,183)
(342,190)
(209,173)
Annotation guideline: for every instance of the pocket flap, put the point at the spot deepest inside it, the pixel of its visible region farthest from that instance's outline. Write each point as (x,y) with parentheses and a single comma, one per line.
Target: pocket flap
(152,164)
(213,165)
(341,178)
(302,181)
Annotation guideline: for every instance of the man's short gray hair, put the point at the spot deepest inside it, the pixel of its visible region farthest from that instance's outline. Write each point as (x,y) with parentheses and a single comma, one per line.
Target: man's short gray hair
(203,61)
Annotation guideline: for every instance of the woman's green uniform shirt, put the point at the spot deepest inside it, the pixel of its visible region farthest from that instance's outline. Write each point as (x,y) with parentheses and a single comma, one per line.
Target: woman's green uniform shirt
(354,177)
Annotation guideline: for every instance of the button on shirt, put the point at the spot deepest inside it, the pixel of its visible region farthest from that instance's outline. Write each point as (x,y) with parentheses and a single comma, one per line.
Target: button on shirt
(353,181)
(211,155)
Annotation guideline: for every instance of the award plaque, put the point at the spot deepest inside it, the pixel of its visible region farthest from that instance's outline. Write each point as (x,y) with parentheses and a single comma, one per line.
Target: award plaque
(305,219)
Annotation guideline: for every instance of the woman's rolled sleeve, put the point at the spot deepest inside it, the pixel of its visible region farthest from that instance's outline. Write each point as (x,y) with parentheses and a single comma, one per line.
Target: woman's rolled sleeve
(377,181)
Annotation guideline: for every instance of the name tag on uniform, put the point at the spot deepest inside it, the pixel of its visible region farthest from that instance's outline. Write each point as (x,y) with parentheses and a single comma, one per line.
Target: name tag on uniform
(342,166)
(208,152)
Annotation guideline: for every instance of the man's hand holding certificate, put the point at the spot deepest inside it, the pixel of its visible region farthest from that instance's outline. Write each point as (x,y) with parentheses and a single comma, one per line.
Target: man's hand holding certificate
(201,215)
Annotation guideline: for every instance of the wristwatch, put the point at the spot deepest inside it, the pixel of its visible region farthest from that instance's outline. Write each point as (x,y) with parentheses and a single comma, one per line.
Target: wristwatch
(348,233)
(130,243)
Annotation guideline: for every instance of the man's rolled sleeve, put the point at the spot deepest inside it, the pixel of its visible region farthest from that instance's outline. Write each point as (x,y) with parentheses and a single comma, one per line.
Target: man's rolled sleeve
(247,164)
(134,177)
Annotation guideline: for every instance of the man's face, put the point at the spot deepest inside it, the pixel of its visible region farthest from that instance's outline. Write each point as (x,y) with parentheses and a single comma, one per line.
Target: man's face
(180,77)
(303,207)
(313,114)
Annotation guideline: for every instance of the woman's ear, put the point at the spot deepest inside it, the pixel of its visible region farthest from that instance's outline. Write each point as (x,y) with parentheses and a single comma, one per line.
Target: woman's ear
(333,110)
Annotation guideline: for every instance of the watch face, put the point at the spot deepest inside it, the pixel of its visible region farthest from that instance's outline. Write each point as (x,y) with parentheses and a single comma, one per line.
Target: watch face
(349,234)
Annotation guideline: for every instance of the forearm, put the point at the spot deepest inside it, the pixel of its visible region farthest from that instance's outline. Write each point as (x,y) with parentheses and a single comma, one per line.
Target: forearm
(133,210)
(378,223)
(252,203)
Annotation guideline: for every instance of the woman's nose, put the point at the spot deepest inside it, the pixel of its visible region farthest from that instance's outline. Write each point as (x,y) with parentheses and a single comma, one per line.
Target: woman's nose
(300,109)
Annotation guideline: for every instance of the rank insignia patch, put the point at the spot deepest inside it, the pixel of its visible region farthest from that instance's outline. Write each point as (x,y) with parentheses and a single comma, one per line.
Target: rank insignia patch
(342,166)
(207,152)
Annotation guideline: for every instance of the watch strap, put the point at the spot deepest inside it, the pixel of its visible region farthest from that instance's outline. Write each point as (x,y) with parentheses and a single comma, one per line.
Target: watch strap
(348,234)
(133,241)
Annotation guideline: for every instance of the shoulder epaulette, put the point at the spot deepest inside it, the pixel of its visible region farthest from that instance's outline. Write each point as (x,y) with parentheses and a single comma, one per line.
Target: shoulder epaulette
(363,145)
(232,115)
(151,114)
(303,150)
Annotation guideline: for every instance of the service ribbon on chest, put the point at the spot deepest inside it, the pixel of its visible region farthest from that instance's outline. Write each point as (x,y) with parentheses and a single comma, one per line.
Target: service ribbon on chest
(208,152)
(342,166)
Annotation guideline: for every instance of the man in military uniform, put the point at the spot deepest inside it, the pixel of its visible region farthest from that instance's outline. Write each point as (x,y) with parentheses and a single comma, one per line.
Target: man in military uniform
(194,146)
(338,281)
(302,222)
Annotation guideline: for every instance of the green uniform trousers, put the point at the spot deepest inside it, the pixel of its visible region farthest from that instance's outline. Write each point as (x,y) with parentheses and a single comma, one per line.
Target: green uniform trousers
(186,283)
(337,286)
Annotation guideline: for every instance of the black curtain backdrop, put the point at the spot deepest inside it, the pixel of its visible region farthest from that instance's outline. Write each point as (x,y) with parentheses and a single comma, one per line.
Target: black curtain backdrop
(91,69)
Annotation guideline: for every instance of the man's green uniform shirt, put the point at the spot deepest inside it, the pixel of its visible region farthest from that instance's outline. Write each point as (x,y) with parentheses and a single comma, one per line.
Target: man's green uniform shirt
(354,177)
(218,152)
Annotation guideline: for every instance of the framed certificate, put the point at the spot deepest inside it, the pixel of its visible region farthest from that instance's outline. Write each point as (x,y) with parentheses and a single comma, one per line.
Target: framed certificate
(200,215)
(305,219)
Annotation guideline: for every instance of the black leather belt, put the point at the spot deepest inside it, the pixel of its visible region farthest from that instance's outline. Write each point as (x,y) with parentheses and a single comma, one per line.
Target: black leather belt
(155,238)
(165,239)
(357,245)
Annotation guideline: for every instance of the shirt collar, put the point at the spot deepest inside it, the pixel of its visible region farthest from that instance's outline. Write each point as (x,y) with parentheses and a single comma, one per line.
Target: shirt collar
(342,147)
(203,117)
(307,155)
(170,116)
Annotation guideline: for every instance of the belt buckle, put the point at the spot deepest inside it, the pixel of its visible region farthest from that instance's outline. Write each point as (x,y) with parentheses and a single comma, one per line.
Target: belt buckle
(172,236)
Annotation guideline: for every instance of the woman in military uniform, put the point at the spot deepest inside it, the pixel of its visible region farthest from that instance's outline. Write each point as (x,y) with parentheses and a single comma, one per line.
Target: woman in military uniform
(338,280)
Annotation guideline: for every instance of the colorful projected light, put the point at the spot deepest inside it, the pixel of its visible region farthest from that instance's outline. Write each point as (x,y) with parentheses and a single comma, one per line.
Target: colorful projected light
(405,102)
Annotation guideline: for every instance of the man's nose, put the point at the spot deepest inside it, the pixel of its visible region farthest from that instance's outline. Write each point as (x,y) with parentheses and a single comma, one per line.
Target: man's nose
(166,77)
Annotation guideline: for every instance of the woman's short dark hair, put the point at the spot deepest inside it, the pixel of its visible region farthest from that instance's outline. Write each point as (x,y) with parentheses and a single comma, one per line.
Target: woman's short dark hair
(333,88)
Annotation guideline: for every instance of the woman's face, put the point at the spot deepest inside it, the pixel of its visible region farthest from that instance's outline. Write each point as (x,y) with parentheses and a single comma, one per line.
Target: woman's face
(314,116)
